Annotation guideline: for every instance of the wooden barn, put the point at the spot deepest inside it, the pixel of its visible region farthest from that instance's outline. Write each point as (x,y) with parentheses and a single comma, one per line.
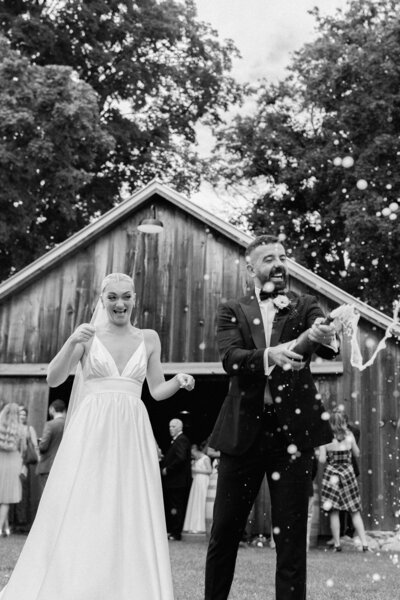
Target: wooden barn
(181,275)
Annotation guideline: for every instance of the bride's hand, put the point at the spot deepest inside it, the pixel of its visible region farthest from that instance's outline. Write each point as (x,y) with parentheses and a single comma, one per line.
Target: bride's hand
(185,381)
(83,333)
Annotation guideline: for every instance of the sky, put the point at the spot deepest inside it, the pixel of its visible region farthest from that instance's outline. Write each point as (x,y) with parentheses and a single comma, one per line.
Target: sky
(267,33)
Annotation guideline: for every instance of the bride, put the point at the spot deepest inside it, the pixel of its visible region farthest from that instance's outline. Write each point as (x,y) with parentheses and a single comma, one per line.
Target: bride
(100,533)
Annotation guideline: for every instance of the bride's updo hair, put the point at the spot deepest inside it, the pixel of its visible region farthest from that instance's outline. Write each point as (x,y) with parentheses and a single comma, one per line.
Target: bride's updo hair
(116,278)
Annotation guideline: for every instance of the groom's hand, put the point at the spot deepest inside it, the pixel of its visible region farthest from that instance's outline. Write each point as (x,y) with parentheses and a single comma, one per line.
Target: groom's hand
(322,334)
(286,359)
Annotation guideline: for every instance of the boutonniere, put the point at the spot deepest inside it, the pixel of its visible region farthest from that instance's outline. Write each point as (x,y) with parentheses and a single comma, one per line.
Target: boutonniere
(281,301)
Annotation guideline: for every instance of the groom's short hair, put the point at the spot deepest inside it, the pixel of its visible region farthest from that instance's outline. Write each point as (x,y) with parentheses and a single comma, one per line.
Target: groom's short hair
(261,240)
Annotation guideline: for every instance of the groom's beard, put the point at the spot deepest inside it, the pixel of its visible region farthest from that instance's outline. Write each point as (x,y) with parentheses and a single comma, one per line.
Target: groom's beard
(277,278)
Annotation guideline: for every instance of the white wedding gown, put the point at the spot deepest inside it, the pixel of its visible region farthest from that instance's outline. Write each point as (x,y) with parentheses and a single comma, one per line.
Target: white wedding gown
(100,532)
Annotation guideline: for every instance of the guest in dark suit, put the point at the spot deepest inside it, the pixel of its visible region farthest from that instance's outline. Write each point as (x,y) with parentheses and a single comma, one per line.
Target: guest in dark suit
(270,421)
(177,477)
(50,440)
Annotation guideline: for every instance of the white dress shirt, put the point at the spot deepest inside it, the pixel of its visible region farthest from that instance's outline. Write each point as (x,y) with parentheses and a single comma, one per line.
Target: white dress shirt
(268,312)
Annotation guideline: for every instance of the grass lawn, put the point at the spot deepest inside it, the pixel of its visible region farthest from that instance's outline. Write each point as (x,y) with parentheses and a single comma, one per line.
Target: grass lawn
(350,575)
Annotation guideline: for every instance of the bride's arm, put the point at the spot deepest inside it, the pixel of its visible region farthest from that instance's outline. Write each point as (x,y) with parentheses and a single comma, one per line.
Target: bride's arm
(159,388)
(69,355)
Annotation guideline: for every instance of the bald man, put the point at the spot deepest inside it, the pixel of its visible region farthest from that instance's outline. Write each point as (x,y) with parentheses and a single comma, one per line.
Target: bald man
(177,477)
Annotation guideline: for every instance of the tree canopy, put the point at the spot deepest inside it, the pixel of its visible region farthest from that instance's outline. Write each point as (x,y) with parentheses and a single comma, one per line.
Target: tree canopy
(149,70)
(50,140)
(322,151)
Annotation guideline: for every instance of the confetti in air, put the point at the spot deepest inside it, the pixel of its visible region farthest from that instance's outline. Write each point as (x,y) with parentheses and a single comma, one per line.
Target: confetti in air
(362,184)
(269,286)
(348,162)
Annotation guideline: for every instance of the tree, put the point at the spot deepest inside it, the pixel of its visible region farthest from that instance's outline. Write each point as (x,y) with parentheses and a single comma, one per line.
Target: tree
(155,72)
(158,71)
(325,144)
(50,140)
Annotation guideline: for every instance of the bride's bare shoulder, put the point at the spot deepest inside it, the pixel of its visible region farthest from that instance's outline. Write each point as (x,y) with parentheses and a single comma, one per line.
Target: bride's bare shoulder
(151,337)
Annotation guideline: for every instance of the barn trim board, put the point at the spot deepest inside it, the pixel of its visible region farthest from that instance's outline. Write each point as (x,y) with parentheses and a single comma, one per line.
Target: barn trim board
(206,368)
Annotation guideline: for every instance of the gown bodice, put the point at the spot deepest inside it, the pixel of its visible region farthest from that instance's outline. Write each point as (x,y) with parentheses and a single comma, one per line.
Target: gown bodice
(100,363)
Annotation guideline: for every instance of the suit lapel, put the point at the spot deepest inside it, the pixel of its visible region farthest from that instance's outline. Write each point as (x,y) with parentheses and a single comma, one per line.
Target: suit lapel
(253,316)
(280,319)
(252,312)
(277,327)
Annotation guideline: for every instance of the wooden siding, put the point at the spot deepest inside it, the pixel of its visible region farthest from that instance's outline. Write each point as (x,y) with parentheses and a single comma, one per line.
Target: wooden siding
(181,276)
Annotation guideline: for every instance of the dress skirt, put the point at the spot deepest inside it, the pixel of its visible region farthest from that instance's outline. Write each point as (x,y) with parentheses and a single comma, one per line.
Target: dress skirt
(99,533)
(195,517)
(10,483)
(339,490)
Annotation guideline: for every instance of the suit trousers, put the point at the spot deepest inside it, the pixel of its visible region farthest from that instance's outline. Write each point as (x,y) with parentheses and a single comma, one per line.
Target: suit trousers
(176,500)
(239,479)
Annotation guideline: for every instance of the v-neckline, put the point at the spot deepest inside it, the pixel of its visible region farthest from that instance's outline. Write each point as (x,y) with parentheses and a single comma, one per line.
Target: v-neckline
(112,358)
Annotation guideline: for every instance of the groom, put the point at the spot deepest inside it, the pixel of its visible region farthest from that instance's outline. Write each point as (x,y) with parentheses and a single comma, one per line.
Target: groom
(271,420)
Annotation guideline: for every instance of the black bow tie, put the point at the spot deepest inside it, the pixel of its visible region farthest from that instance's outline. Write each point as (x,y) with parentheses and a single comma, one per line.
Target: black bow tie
(266,295)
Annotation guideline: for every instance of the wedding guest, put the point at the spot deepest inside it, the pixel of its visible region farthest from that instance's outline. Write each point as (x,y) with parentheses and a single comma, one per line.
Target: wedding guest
(339,490)
(212,486)
(23,510)
(50,440)
(346,525)
(176,473)
(270,421)
(214,456)
(11,448)
(195,518)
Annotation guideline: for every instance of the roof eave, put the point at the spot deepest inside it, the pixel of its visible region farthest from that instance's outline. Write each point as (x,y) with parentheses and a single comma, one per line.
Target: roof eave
(114,215)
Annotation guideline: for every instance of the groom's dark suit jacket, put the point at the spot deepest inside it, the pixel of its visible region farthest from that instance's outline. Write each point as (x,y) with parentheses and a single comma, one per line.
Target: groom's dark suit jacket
(241,342)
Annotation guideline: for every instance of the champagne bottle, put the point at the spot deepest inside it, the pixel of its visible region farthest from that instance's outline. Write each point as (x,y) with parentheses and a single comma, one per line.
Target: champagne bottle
(304,345)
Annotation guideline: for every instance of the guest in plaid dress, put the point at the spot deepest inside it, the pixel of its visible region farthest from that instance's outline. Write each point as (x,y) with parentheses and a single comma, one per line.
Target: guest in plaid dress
(339,489)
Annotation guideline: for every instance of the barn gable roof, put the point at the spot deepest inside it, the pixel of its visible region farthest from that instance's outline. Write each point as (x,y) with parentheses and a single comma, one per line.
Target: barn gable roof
(156,188)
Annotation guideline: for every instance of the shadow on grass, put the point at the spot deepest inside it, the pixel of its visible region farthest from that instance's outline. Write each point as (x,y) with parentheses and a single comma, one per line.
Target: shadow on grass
(347,576)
